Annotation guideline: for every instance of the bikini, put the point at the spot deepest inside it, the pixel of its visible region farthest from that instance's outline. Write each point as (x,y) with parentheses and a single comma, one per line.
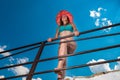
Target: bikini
(66,28)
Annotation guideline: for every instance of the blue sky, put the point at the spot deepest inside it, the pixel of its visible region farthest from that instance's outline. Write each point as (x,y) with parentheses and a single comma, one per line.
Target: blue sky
(24,22)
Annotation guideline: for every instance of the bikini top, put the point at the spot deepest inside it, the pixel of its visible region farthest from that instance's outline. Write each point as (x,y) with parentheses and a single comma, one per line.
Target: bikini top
(66,28)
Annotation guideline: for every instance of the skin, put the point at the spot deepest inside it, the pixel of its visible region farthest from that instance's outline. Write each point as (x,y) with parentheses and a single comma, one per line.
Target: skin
(63,49)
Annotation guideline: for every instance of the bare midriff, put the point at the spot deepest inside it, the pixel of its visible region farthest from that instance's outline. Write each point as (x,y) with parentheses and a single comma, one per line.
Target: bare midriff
(66,33)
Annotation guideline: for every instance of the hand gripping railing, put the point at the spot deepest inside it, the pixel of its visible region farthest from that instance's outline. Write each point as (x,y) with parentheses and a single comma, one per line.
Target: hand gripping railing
(52,43)
(81,33)
(43,43)
(84,32)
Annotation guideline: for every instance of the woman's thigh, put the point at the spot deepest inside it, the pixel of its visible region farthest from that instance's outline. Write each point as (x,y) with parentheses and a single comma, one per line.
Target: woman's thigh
(62,49)
(71,46)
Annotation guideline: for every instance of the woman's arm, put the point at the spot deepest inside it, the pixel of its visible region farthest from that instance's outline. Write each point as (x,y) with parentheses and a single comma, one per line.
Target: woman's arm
(56,36)
(76,33)
(74,27)
(57,33)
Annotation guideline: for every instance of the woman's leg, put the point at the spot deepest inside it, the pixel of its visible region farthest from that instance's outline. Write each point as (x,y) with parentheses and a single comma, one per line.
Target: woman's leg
(62,61)
(62,52)
(64,71)
(62,76)
(71,47)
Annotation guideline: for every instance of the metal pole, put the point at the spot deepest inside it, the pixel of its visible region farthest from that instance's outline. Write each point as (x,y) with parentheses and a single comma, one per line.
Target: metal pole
(29,77)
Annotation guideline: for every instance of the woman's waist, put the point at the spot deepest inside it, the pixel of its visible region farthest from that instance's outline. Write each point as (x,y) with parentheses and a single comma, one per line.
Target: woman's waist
(65,33)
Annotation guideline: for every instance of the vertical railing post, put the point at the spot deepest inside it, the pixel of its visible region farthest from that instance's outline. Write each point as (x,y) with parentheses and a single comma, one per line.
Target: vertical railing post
(30,75)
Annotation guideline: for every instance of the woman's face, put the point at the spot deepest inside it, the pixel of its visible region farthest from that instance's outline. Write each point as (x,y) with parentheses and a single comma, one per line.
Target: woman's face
(64,18)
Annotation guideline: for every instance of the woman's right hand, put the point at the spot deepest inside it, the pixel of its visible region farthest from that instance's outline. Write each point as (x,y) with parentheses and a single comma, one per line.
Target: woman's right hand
(49,40)
(76,33)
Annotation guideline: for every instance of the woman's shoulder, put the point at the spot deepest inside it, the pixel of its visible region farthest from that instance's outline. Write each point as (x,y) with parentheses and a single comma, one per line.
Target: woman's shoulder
(58,27)
(72,24)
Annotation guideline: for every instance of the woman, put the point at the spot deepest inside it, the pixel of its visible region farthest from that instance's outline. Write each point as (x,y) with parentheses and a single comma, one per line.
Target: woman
(65,27)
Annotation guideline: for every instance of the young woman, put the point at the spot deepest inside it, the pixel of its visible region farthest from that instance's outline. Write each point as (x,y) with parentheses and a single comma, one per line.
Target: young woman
(65,27)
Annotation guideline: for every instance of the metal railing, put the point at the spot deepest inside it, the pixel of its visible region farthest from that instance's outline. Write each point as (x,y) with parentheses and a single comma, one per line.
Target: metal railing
(42,44)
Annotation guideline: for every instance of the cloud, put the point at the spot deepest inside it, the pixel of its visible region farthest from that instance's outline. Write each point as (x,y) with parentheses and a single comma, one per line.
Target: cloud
(100,21)
(11,59)
(2,48)
(108,76)
(94,14)
(117,67)
(24,78)
(103,22)
(100,8)
(99,68)
(20,70)
(114,75)
(22,60)
(68,78)
(37,79)
(2,76)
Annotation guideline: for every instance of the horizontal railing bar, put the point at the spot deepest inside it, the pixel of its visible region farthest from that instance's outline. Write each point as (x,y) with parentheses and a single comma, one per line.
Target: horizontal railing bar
(19,52)
(84,32)
(89,31)
(86,38)
(52,43)
(68,55)
(72,67)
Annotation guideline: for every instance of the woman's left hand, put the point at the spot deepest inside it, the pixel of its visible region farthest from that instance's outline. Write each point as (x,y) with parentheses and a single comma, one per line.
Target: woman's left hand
(76,33)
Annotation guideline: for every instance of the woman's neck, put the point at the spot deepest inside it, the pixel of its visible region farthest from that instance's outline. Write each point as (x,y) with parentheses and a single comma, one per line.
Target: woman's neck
(65,22)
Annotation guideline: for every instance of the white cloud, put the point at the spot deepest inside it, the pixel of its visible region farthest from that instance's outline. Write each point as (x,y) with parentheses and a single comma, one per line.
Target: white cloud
(2,49)
(11,59)
(68,78)
(2,76)
(37,79)
(112,75)
(100,8)
(103,22)
(22,60)
(117,67)
(108,76)
(104,19)
(20,70)
(99,68)
(97,22)
(94,14)
(100,21)
(24,78)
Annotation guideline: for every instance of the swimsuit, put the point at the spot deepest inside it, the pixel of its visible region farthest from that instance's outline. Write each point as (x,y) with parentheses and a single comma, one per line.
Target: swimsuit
(66,28)
(70,46)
